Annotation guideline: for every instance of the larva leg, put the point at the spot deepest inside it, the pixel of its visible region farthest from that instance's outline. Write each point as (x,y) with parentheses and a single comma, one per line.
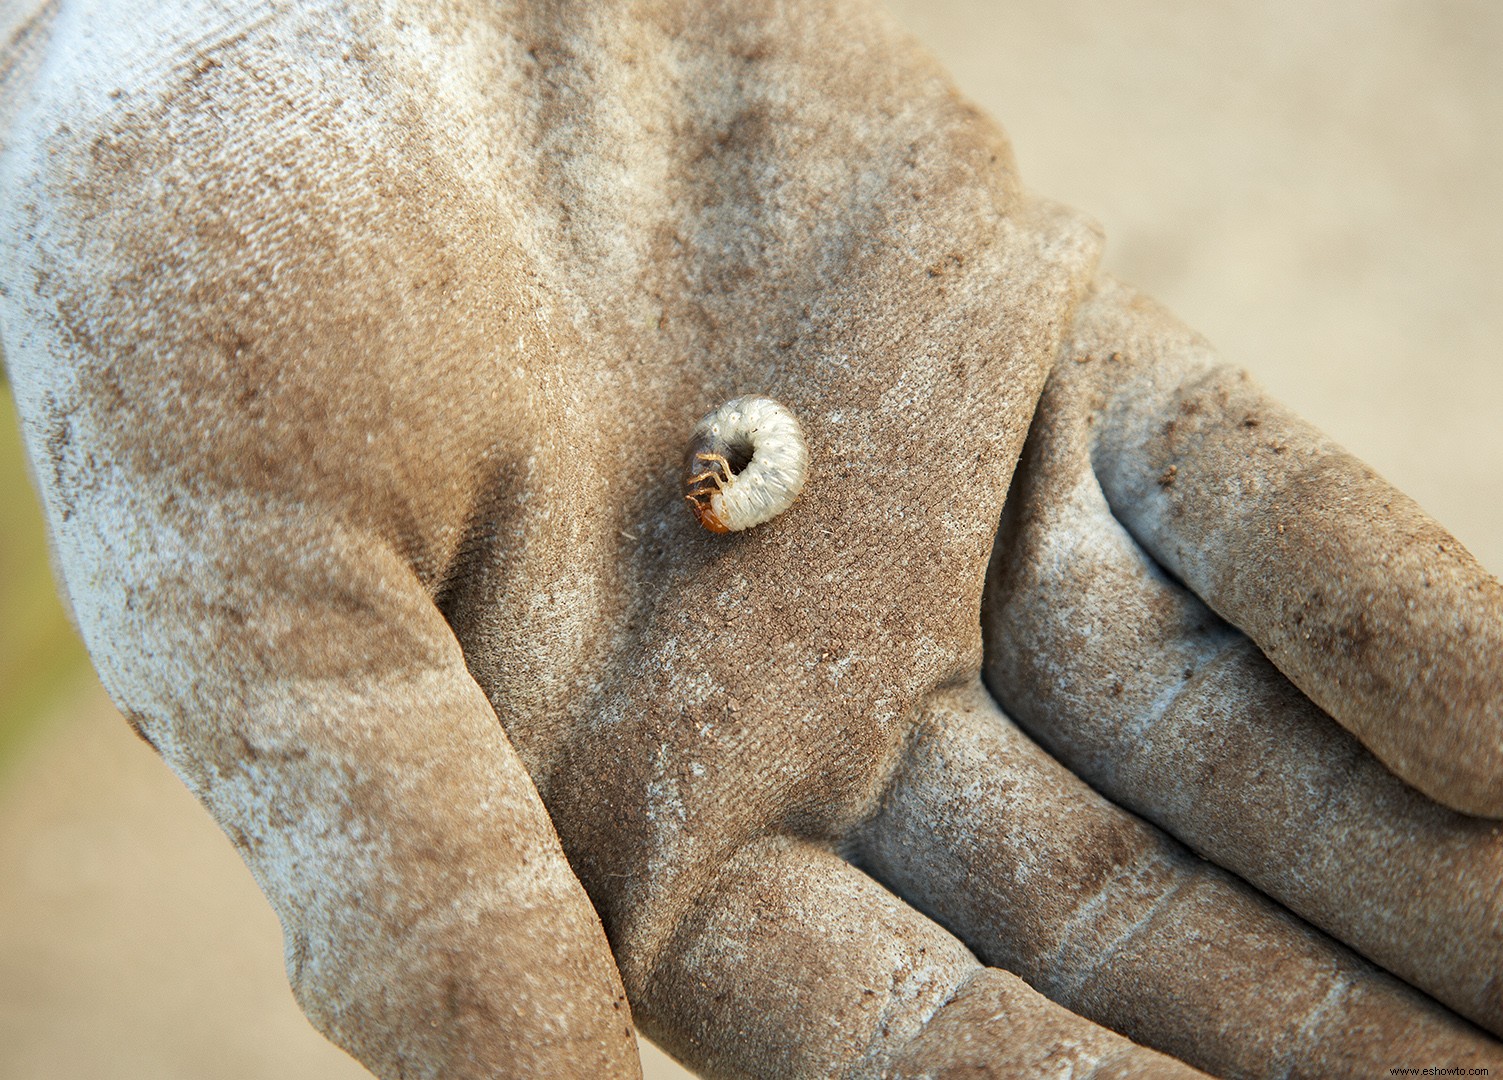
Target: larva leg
(701,478)
(699,483)
(874,987)
(721,476)
(1113,919)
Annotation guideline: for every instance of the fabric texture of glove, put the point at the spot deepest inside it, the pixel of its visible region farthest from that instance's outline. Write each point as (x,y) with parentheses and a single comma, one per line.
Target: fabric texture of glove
(357,348)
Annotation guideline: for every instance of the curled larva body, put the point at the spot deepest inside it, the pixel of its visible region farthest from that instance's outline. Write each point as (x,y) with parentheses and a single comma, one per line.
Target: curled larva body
(747,463)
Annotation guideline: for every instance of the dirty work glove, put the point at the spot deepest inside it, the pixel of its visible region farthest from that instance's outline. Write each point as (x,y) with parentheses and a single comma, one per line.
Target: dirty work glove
(358,349)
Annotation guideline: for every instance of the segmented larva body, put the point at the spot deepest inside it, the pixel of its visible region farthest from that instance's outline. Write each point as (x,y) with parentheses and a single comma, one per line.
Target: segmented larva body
(747,463)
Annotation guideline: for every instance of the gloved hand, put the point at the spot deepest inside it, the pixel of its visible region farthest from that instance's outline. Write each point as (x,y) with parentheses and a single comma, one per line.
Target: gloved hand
(358,348)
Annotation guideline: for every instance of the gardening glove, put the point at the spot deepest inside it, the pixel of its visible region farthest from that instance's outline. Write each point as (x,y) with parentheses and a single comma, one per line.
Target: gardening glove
(359,349)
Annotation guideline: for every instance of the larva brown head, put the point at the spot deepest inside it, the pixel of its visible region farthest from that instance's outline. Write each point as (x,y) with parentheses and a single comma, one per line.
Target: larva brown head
(704,513)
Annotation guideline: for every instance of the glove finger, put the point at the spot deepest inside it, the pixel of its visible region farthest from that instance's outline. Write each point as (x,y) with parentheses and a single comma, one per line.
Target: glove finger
(794,963)
(1114,920)
(1372,609)
(1133,684)
(328,723)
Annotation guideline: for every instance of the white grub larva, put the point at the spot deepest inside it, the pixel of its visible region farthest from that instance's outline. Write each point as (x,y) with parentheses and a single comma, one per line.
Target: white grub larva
(747,463)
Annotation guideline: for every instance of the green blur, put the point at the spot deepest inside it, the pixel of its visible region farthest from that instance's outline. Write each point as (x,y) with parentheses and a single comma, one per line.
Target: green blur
(40,653)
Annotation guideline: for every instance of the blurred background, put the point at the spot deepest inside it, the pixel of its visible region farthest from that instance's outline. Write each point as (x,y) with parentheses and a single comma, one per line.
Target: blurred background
(1314,187)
